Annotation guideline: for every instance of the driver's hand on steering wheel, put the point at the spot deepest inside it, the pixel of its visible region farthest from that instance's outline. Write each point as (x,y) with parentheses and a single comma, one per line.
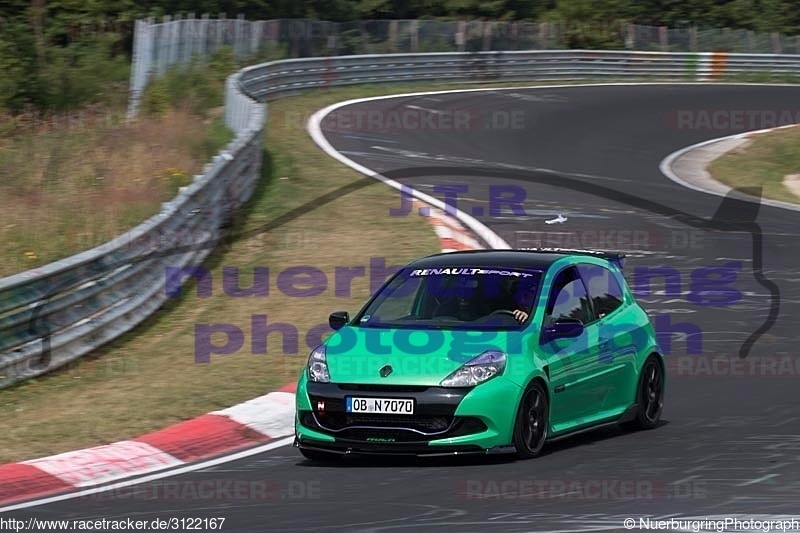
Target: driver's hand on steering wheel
(520,315)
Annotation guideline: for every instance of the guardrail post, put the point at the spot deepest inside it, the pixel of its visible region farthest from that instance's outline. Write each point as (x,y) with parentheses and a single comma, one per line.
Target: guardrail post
(331,43)
(164,44)
(393,36)
(294,35)
(366,46)
(203,37)
(256,36)
(663,38)
(141,63)
(487,35)
(776,43)
(542,34)
(238,36)
(460,37)
(515,33)
(220,27)
(175,40)
(190,35)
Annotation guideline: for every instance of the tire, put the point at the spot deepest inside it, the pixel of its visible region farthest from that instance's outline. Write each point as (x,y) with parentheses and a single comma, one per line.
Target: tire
(317,456)
(649,395)
(533,419)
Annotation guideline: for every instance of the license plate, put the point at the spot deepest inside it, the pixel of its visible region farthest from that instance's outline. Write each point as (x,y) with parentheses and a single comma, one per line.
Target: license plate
(389,406)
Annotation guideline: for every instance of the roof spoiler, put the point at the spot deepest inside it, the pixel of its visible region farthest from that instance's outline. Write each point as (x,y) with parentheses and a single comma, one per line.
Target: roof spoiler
(618,258)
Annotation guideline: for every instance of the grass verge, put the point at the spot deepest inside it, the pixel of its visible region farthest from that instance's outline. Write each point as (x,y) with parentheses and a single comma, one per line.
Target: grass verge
(764,162)
(72,186)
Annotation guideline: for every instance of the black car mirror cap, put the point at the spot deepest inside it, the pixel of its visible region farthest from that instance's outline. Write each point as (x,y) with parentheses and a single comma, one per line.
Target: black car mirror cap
(338,319)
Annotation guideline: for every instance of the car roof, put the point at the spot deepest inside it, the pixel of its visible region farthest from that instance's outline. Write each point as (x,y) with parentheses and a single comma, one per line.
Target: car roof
(534,259)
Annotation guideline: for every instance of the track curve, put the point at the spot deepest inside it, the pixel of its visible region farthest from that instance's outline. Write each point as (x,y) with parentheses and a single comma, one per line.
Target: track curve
(729,445)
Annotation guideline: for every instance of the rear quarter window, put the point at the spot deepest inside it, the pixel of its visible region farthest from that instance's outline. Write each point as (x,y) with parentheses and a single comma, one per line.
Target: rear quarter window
(604,289)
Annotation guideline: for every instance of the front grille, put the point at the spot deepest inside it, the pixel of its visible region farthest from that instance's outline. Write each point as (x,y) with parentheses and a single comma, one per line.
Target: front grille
(461,426)
(391,428)
(336,421)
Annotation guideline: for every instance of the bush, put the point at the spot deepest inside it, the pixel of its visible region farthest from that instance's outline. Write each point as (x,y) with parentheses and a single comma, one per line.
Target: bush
(198,87)
(155,98)
(59,78)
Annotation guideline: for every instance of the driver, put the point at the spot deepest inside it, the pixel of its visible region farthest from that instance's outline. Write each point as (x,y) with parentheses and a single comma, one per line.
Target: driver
(459,306)
(521,300)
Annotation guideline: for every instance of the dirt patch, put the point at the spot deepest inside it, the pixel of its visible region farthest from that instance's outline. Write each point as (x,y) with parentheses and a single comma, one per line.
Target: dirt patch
(792,182)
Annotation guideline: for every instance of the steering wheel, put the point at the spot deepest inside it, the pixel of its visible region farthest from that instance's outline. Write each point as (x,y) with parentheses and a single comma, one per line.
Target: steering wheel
(502,312)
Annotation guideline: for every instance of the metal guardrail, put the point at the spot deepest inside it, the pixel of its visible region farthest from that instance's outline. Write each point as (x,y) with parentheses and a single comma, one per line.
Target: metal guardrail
(55,314)
(286,77)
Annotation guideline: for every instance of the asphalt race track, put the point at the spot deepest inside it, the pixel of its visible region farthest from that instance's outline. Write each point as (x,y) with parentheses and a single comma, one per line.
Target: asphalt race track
(729,444)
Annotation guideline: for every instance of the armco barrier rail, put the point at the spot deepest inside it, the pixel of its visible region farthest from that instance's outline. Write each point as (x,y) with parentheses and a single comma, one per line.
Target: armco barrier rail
(57,313)
(280,78)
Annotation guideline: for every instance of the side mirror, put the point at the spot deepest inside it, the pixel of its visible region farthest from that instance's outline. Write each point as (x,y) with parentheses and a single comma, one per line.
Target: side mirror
(564,328)
(338,319)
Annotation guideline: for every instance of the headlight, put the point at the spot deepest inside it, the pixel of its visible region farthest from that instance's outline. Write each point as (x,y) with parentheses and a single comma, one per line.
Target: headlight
(487,365)
(318,366)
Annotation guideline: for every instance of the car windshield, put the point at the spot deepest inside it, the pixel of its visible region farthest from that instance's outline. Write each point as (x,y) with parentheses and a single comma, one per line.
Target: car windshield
(454,298)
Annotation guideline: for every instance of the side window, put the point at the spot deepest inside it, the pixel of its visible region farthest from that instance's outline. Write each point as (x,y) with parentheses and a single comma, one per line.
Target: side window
(604,289)
(568,299)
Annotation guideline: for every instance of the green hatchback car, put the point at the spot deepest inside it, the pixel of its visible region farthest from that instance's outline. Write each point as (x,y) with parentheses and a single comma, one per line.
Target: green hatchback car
(483,352)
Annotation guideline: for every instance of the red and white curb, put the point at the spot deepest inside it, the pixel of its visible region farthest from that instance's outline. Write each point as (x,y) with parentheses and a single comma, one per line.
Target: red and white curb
(257,421)
(687,166)
(453,236)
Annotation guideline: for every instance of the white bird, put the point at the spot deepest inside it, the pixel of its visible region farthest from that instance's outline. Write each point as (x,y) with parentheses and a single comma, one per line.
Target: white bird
(560,219)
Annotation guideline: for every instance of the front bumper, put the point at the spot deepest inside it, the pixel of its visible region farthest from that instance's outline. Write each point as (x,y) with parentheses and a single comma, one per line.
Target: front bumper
(403,449)
(445,420)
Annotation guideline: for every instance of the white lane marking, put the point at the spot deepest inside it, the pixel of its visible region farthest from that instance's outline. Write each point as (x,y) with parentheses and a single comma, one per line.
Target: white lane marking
(404,153)
(315,130)
(494,240)
(460,159)
(758,480)
(368,138)
(426,109)
(152,477)
(423,155)
(666,168)
(316,133)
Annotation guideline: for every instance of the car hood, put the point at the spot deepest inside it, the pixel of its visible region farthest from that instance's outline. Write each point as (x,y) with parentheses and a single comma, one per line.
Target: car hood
(416,357)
